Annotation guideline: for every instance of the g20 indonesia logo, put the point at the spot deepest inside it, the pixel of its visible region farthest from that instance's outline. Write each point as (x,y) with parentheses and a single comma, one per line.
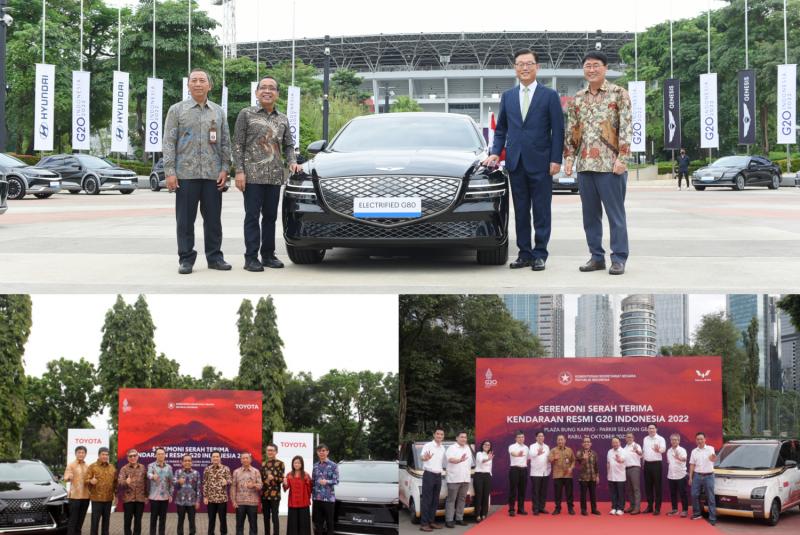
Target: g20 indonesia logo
(565,378)
(489,381)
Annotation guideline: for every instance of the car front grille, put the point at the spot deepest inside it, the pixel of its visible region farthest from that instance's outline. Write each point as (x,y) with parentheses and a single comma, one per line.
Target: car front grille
(422,230)
(14,506)
(437,193)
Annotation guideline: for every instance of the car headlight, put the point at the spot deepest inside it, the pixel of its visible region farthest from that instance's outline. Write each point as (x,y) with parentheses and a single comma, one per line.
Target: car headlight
(758,493)
(62,495)
(300,186)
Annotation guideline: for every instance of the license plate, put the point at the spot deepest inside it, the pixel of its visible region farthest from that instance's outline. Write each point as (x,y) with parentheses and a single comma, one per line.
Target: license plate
(364,520)
(727,500)
(55,184)
(24,520)
(566,181)
(707,179)
(387,207)
(125,182)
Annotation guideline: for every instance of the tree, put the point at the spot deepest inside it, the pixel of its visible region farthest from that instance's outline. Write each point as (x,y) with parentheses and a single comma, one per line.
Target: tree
(750,341)
(346,83)
(791,305)
(303,403)
(404,103)
(15,327)
(383,439)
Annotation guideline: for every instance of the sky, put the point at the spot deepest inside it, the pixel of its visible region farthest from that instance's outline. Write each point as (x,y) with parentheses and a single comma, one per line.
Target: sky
(270,20)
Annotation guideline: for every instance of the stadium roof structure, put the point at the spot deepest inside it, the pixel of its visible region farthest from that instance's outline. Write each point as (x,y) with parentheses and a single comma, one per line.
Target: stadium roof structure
(437,51)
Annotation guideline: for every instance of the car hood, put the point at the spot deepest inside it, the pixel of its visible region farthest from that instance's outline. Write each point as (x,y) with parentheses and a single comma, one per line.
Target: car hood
(366,492)
(17,490)
(38,172)
(718,170)
(116,171)
(412,162)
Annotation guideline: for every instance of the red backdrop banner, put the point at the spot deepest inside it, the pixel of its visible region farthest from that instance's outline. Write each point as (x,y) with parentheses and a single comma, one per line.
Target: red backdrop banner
(595,397)
(196,422)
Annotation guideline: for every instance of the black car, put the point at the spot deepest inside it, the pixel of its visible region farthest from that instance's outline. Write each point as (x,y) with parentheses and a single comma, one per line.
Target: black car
(737,172)
(366,498)
(398,180)
(24,179)
(158,180)
(563,181)
(91,173)
(3,195)
(31,499)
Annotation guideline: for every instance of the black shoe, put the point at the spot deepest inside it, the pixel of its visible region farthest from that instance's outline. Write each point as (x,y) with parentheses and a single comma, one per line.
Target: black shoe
(520,263)
(536,513)
(712,522)
(538,264)
(272,262)
(584,513)
(511,513)
(649,509)
(478,520)
(593,265)
(185,268)
(523,513)
(617,268)
(220,265)
(595,512)
(461,523)
(557,512)
(251,264)
(656,512)
(572,511)
(449,525)
(544,511)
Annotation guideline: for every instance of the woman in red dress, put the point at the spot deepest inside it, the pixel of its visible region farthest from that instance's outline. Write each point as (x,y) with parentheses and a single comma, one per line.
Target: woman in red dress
(298,483)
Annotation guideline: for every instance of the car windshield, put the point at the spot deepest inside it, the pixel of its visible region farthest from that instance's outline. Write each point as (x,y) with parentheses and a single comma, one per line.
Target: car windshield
(747,456)
(24,472)
(731,161)
(368,473)
(406,131)
(10,161)
(93,162)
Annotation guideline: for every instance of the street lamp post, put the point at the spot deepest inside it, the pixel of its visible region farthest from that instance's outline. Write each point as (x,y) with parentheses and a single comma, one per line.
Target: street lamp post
(326,79)
(5,22)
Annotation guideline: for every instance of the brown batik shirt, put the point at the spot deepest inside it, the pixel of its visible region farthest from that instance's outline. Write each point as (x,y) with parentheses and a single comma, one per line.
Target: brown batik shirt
(75,472)
(106,486)
(563,461)
(137,490)
(272,489)
(588,462)
(216,479)
(259,139)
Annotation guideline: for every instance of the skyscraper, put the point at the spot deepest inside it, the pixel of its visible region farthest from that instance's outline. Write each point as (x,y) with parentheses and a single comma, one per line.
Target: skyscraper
(672,318)
(637,326)
(741,308)
(790,352)
(544,316)
(594,327)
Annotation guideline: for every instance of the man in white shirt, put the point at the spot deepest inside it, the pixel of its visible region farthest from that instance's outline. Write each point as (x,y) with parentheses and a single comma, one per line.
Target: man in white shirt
(432,463)
(540,470)
(701,475)
(459,463)
(615,470)
(518,461)
(676,475)
(653,448)
(633,474)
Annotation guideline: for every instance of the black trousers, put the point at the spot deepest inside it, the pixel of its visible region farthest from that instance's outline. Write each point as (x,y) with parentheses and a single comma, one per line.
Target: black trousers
(516,487)
(158,516)
(260,200)
(323,516)
(183,512)
(100,511)
(217,510)
(298,522)
(189,195)
(589,487)
(683,174)
(251,513)
(539,493)
(133,514)
(431,487)
(652,484)
(270,509)
(678,489)
(563,485)
(482,483)
(77,513)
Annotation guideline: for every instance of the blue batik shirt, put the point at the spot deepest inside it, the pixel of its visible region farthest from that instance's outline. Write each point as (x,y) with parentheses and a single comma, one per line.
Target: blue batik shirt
(188,493)
(330,472)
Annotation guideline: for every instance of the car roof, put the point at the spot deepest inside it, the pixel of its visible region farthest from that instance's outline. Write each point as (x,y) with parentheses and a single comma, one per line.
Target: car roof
(24,461)
(431,114)
(761,441)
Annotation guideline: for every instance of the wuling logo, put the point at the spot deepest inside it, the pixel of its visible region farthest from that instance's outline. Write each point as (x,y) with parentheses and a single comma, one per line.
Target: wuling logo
(702,377)
(126,407)
(489,382)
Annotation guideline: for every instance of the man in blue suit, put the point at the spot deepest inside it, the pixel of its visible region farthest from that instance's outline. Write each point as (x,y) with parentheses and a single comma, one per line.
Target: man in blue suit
(530,126)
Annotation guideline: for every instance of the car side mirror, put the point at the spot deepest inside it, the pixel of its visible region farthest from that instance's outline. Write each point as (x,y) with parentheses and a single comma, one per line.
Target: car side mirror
(403,464)
(752,164)
(791,464)
(317,146)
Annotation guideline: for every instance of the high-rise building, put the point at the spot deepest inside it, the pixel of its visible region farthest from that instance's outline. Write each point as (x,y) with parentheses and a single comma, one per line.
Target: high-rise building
(672,318)
(594,327)
(544,316)
(741,309)
(790,352)
(637,326)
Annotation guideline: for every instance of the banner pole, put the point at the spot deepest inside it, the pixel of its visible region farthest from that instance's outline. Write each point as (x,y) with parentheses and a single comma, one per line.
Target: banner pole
(785,62)
(44,18)
(708,32)
(294,19)
(119,38)
(671,75)
(746,49)
(636,62)
(154,39)
(189,43)
(258,37)
(80,52)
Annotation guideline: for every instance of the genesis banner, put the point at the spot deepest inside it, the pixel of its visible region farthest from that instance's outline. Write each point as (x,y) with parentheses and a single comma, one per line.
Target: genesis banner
(747,107)
(155,105)
(293,113)
(194,422)
(709,125)
(44,106)
(787,104)
(80,110)
(672,114)
(119,113)
(596,397)
(637,92)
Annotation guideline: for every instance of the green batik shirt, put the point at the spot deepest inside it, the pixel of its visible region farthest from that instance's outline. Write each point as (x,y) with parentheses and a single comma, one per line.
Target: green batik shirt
(259,138)
(188,152)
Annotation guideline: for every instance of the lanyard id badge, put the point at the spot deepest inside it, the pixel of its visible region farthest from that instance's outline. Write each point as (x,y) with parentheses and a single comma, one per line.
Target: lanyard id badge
(212,132)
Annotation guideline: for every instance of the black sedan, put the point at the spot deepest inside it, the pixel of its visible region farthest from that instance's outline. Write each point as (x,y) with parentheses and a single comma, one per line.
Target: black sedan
(24,179)
(366,498)
(158,179)
(398,180)
(31,500)
(91,173)
(563,181)
(737,172)
(3,195)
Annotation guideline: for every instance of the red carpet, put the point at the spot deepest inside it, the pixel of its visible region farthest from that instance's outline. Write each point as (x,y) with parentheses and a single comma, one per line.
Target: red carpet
(501,523)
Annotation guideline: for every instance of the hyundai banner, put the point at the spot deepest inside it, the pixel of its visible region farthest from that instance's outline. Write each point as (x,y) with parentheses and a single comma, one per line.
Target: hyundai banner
(709,125)
(44,106)
(596,397)
(289,445)
(747,107)
(293,113)
(80,110)
(153,125)
(672,114)
(253,99)
(186,94)
(119,113)
(637,92)
(787,105)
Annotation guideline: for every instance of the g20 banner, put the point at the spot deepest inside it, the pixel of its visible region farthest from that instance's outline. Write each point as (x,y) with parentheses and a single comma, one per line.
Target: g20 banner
(638,93)
(80,110)
(194,422)
(709,128)
(153,127)
(596,397)
(787,104)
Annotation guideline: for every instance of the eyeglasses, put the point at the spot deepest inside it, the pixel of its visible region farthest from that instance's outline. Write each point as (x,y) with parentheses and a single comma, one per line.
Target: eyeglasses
(593,66)
(522,65)
(133,455)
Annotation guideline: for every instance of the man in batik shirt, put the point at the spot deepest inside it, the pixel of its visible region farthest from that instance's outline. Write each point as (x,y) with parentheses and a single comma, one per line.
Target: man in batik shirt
(187,497)
(216,479)
(272,472)
(132,480)
(589,476)
(325,476)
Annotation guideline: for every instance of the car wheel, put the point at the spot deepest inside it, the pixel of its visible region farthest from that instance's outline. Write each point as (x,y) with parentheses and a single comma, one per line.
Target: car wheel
(302,255)
(91,186)
(412,510)
(700,188)
(126,191)
(42,195)
(775,183)
(493,257)
(154,183)
(774,513)
(16,188)
(738,182)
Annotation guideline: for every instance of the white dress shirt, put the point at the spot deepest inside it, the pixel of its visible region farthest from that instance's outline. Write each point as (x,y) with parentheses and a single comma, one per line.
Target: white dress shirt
(531,91)
(616,469)
(540,467)
(631,457)
(483,463)
(676,468)
(700,459)
(458,472)
(435,463)
(647,446)
(513,451)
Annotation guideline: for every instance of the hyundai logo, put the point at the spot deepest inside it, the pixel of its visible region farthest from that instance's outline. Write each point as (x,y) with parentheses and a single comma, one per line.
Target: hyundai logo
(44,131)
(119,133)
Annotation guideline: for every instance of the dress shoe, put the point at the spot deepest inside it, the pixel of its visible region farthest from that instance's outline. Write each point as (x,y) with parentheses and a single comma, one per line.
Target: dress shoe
(251,264)
(649,509)
(628,510)
(425,528)
(617,268)
(584,513)
(538,264)
(511,513)
(635,512)
(656,512)
(272,262)
(536,513)
(571,511)
(673,512)
(461,523)
(520,263)
(220,265)
(557,512)
(185,268)
(434,525)
(544,511)
(523,513)
(449,525)
(595,512)
(593,265)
